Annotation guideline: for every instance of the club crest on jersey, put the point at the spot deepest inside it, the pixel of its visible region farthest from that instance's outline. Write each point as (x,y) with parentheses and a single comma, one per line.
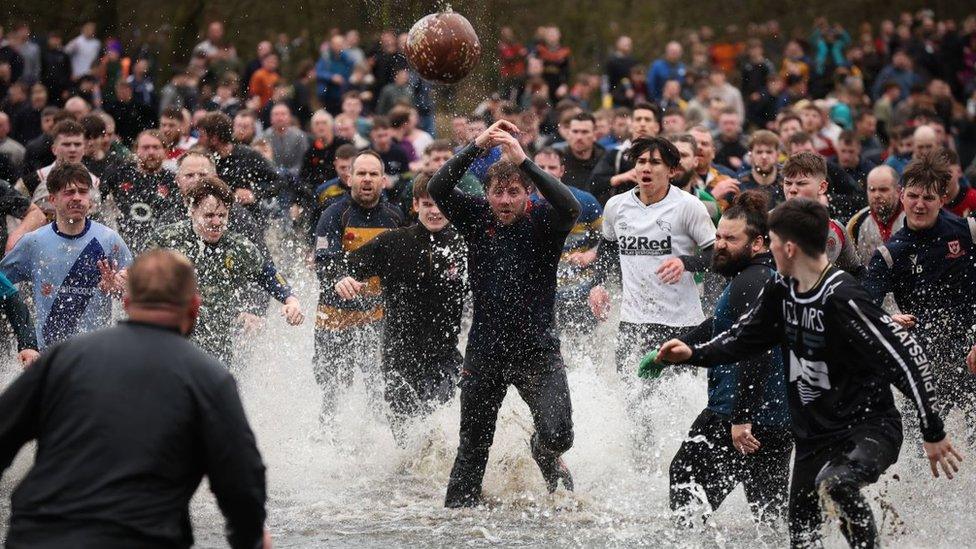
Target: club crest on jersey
(664,225)
(955,250)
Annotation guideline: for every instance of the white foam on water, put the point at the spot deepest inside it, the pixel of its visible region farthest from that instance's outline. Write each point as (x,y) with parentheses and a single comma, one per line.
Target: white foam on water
(352,485)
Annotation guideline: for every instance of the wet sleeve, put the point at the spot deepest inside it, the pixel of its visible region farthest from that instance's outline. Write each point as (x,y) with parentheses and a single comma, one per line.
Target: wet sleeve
(699,334)
(123,256)
(459,207)
(848,260)
(272,281)
(563,203)
(880,340)
(877,278)
(233,464)
(700,262)
(20,321)
(20,407)
(744,293)
(329,253)
(368,260)
(755,332)
(12,202)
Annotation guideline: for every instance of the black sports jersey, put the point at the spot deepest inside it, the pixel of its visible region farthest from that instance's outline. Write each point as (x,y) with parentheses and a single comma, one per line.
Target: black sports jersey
(423,279)
(841,352)
(144,200)
(512,267)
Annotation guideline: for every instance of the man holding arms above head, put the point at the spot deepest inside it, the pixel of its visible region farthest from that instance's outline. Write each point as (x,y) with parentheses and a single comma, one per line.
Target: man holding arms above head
(173,415)
(513,252)
(844,353)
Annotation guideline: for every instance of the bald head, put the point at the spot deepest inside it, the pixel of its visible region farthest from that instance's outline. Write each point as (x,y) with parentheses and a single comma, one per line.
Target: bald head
(924,141)
(77,106)
(161,279)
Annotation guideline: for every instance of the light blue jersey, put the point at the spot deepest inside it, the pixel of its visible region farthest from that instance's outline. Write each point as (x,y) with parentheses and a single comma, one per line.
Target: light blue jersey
(64,272)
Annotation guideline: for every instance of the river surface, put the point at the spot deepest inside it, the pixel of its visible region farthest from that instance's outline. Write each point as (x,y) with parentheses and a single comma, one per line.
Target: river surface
(352,486)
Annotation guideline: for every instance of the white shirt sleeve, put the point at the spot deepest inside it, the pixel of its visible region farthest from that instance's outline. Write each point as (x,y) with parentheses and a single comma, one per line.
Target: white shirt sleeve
(609,216)
(698,224)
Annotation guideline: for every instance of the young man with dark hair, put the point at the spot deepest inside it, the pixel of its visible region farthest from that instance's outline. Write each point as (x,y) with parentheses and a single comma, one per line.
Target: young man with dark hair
(422,272)
(225,263)
(757,454)
(805,176)
(658,235)
(930,267)
(513,253)
(614,174)
(843,354)
(144,192)
(74,263)
(347,332)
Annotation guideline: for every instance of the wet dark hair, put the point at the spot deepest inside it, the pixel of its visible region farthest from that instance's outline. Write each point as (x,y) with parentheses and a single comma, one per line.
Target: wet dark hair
(803,222)
(753,208)
(218,126)
(210,185)
(68,173)
(669,153)
(505,171)
(929,171)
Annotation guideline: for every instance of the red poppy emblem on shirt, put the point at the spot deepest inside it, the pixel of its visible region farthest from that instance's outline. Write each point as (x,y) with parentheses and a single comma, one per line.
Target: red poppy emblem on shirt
(163,190)
(350,236)
(955,250)
(46,289)
(126,186)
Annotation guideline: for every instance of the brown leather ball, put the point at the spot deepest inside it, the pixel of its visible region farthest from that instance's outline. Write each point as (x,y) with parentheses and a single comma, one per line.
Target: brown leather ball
(443,47)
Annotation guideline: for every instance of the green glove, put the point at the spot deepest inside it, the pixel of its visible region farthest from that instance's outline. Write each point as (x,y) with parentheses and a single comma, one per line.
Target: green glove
(649,366)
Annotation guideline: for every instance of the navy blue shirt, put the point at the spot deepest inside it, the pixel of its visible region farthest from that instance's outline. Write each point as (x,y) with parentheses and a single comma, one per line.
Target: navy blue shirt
(932,274)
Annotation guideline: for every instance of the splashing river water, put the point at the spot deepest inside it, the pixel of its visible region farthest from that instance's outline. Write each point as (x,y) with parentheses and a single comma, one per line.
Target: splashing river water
(353,486)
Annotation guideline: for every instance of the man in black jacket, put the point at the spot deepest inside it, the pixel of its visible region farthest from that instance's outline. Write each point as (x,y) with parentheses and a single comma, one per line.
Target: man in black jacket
(127,421)
(843,355)
(514,247)
(422,271)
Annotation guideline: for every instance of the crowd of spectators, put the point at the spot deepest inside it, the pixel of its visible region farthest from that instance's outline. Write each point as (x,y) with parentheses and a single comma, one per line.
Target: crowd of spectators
(860,97)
